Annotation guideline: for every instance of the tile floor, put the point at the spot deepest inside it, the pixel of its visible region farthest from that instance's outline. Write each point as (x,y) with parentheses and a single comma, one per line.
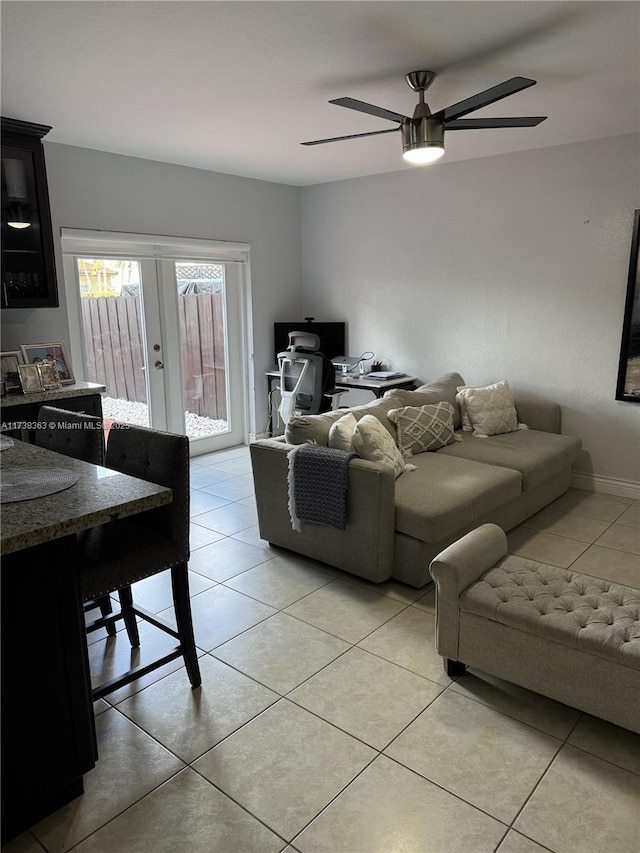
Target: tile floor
(325,722)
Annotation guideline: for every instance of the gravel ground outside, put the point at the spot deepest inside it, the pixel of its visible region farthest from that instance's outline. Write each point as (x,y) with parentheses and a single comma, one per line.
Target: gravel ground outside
(138,414)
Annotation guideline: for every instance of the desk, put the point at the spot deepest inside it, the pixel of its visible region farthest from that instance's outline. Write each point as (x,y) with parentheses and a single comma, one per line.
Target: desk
(354,382)
(48,730)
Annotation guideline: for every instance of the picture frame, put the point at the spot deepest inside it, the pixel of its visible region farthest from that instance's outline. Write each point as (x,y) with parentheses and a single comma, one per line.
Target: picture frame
(49,375)
(30,378)
(628,385)
(9,362)
(54,353)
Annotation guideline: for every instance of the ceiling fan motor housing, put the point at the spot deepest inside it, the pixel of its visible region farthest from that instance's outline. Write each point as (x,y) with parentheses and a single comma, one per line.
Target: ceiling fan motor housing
(422,133)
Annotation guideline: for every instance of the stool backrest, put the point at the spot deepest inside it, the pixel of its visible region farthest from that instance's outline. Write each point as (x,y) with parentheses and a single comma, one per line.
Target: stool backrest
(74,434)
(158,457)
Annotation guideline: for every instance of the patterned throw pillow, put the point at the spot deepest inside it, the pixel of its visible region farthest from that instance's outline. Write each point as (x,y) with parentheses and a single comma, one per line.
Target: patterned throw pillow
(488,410)
(341,433)
(422,428)
(372,441)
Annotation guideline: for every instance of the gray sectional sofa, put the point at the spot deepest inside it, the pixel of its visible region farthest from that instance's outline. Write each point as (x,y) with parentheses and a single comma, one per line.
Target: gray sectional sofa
(395,527)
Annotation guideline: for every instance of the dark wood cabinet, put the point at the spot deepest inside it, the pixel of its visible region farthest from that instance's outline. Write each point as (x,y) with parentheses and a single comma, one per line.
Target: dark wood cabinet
(28,266)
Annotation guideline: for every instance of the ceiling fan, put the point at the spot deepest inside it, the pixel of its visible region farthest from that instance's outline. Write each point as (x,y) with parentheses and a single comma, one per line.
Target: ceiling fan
(423,133)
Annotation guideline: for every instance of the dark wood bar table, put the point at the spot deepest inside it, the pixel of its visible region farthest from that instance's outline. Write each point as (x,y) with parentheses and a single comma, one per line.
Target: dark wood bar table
(48,734)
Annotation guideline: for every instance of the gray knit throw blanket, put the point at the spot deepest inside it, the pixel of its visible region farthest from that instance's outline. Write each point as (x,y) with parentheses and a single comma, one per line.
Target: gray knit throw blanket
(318,479)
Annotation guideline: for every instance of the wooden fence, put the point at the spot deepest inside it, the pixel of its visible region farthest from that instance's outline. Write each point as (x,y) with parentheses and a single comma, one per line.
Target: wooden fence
(114,350)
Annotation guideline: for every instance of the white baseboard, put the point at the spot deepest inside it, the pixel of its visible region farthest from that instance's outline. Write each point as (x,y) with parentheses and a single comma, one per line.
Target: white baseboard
(606,485)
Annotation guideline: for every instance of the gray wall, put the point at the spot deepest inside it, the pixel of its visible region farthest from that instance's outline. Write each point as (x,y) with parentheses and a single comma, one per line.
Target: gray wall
(96,190)
(507,267)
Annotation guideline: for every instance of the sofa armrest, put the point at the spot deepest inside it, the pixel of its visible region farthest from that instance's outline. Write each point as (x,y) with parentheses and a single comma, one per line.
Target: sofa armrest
(365,547)
(538,414)
(456,568)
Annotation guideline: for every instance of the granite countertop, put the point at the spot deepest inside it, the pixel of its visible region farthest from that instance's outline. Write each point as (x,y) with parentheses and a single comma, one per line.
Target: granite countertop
(100,495)
(77,389)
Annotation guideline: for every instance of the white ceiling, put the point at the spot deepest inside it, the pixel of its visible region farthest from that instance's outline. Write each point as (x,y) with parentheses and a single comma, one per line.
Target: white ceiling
(235,86)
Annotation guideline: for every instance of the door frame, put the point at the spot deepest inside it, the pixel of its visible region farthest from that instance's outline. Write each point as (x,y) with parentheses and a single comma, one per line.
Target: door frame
(78,242)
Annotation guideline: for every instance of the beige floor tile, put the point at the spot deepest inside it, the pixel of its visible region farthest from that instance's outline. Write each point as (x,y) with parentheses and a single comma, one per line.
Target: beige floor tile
(283,748)
(607,741)
(226,558)
(516,843)
(234,464)
(201,536)
(185,814)
(545,547)
(409,641)
(266,652)
(427,602)
(569,524)
(200,502)
(631,516)
(622,538)
(603,507)
(345,610)
(131,765)
(280,581)
(252,537)
(228,519)
(394,589)
(388,808)
(488,759)
(610,564)
(221,613)
(233,489)
(584,804)
(532,708)
(366,696)
(189,722)
(202,476)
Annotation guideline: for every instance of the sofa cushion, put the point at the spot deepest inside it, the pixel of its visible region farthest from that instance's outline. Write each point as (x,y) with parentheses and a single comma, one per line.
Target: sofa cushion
(316,427)
(600,617)
(371,441)
(422,428)
(538,456)
(341,433)
(445,494)
(442,389)
(487,409)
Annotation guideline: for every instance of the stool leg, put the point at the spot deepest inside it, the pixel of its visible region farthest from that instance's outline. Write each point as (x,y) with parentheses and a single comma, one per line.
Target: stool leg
(104,603)
(184,622)
(126,604)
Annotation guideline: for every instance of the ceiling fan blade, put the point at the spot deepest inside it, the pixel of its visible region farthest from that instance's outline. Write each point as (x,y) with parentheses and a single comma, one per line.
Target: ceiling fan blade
(370,109)
(482,123)
(352,136)
(482,99)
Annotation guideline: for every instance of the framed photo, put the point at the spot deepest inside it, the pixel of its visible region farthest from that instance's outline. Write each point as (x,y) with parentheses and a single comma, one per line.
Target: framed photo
(52,353)
(49,375)
(29,378)
(9,362)
(628,387)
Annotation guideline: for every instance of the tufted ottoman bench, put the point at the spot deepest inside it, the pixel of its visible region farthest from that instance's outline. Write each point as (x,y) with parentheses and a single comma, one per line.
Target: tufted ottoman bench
(568,636)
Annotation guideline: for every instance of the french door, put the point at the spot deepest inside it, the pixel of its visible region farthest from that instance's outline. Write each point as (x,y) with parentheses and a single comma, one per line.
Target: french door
(164,334)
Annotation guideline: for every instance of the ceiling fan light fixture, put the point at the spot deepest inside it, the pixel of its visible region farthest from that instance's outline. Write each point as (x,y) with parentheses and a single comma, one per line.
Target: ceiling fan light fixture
(422,141)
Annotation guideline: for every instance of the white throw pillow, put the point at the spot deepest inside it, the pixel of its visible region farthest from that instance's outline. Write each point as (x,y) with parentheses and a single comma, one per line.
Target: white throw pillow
(372,441)
(487,409)
(422,428)
(341,433)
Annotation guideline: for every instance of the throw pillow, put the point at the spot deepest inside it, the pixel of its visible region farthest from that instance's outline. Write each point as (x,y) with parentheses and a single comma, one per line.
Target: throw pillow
(341,433)
(440,390)
(372,441)
(422,428)
(489,409)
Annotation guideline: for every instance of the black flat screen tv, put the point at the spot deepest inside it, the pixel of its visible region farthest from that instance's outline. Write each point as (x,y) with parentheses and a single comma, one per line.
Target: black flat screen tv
(332,336)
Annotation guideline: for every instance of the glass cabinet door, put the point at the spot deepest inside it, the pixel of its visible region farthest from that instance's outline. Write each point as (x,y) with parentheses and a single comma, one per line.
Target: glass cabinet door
(28,270)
